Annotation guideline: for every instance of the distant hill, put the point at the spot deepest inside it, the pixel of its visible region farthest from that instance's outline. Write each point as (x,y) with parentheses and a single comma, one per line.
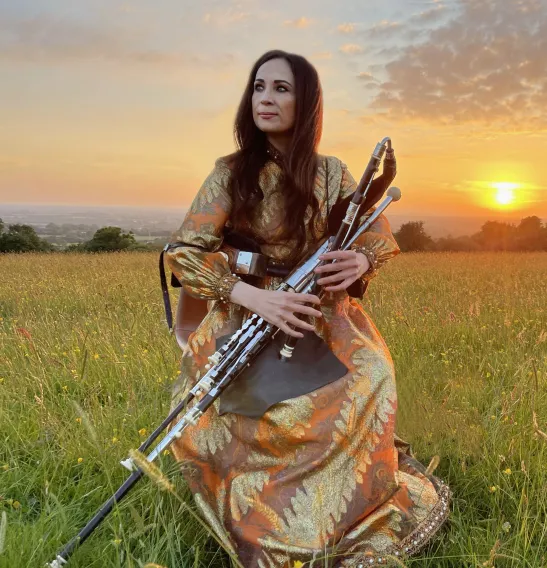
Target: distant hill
(144,219)
(136,218)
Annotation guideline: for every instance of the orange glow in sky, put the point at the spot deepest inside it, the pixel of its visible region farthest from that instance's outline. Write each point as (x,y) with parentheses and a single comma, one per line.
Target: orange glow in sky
(131,103)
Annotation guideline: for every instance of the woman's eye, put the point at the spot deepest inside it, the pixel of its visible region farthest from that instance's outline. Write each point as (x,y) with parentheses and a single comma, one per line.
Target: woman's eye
(281,87)
(257,87)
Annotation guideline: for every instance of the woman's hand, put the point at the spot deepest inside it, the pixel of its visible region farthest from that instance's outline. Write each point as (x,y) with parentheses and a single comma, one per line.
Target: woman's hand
(349,266)
(276,307)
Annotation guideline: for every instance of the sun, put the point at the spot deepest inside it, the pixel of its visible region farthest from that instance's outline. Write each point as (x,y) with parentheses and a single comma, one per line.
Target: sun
(505,192)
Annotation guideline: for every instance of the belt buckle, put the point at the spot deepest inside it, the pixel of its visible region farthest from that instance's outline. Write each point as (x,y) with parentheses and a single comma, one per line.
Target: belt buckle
(244,261)
(251,263)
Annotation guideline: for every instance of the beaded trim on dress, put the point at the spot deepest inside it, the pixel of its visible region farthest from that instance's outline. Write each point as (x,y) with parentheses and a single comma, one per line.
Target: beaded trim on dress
(413,542)
(274,153)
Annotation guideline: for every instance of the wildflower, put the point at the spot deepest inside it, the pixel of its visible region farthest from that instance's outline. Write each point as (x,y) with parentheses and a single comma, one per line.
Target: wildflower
(65,388)
(5,467)
(117,541)
(166,452)
(298,564)
(79,420)
(507,471)
(493,489)
(115,440)
(142,432)
(80,460)
(96,356)
(16,505)
(506,527)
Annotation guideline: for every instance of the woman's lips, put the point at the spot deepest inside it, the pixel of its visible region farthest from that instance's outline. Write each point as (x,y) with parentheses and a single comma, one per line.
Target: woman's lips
(266,115)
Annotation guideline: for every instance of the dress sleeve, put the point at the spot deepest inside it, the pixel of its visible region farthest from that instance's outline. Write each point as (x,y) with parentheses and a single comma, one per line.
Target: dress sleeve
(193,255)
(378,242)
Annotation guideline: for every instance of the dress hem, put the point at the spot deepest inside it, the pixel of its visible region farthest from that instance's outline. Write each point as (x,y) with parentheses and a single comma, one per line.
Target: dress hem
(413,542)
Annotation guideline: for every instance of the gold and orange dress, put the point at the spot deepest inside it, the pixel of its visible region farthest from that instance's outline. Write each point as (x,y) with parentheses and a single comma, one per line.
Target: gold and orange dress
(322,474)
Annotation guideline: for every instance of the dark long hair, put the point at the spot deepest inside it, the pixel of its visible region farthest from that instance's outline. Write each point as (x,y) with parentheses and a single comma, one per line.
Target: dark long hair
(300,162)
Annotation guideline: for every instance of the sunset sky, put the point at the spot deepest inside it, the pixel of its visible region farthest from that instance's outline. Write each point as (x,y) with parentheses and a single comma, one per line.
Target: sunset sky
(130,103)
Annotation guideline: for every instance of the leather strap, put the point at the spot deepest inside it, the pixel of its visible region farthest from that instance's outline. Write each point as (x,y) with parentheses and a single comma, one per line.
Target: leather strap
(165,291)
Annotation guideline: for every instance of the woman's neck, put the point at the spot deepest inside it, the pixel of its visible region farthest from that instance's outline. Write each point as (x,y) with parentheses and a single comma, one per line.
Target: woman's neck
(280,142)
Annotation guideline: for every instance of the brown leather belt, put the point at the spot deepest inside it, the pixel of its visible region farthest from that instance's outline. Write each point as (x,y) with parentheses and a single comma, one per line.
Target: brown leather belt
(257,264)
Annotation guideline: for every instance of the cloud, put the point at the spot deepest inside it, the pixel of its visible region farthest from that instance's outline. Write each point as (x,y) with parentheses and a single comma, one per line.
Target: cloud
(433,14)
(351,49)
(486,65)
(225,17)
(383,28)
(300,23)
(368,80)
(346,28)
(407,30)
(54,40)
(323,55)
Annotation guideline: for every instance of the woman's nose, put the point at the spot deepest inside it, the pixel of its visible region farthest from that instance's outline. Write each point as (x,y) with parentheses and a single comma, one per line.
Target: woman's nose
(266,98)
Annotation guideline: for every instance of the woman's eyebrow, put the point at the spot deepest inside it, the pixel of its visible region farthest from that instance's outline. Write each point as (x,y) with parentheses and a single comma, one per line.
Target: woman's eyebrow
(276,81)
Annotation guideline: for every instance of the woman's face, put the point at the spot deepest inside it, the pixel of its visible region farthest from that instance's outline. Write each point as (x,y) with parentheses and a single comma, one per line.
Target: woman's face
(274,97)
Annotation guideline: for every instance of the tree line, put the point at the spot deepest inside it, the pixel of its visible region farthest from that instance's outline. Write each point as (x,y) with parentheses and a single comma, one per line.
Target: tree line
(529,235)
(23,238)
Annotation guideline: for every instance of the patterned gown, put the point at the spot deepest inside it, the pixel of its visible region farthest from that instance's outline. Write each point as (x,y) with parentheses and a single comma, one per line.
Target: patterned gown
(320,475)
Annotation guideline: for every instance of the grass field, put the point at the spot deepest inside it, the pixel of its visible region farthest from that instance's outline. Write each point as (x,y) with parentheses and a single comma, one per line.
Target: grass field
(86,367)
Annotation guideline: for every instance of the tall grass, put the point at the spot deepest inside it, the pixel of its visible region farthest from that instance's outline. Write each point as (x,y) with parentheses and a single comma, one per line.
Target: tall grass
(87,364)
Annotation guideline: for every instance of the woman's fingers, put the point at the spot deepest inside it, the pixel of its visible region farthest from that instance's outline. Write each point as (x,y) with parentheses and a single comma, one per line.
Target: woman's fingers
(288,330)
(292,319)
(305,298)
(337,255)
(335,267)
(301,309)
(342,286)
(343,275)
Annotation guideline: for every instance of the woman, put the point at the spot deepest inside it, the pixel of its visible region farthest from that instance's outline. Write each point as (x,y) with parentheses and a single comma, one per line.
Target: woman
(319,475)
